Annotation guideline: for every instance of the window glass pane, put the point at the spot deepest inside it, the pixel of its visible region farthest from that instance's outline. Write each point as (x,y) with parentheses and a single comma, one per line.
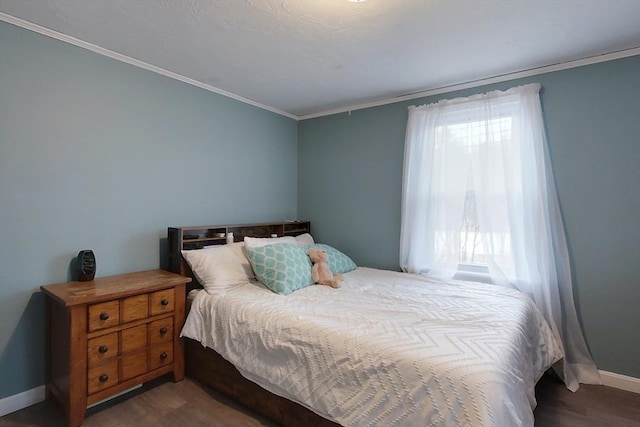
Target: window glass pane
(471,248)
(468,136)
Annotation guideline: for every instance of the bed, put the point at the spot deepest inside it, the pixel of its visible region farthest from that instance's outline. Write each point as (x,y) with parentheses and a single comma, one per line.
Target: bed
(387,348)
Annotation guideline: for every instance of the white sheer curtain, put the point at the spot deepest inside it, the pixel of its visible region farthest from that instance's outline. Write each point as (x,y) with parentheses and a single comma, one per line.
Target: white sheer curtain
(493,144)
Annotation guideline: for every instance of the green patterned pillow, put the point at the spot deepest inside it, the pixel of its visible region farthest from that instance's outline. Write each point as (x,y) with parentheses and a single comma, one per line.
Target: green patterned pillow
(282,267)
(338,262)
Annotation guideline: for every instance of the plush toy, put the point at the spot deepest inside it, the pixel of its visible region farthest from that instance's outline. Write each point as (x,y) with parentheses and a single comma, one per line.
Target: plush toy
(320,271)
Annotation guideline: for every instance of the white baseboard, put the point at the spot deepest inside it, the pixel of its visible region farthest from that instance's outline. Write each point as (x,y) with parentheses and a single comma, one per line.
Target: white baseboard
(36,395)
(21,400)
(622,382)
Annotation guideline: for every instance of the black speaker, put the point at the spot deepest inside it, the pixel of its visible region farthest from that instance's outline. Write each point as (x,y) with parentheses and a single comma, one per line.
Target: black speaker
(86,265)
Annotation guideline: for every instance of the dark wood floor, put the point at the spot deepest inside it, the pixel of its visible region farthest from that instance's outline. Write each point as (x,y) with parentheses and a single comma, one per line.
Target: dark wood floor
(186,404)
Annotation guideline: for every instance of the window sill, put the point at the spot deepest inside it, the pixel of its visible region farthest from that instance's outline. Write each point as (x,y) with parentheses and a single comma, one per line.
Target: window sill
(473,273)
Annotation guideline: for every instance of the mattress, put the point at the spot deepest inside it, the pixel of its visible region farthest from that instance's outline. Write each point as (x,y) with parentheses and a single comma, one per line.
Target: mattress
(387,348)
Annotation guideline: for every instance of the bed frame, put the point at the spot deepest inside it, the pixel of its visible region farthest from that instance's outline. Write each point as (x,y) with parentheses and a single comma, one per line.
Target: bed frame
(206,365)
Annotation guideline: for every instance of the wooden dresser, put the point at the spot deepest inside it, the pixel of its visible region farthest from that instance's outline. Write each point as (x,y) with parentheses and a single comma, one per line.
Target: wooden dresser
(112,333)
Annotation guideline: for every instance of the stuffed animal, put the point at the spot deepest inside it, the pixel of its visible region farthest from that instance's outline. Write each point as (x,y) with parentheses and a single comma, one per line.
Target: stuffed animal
(320,271)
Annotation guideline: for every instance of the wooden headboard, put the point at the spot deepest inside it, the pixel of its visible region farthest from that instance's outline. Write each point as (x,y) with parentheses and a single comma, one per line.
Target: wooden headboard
(198,237)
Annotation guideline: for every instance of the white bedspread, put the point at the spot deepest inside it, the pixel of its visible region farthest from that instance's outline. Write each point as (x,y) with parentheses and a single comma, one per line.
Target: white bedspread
(386,349)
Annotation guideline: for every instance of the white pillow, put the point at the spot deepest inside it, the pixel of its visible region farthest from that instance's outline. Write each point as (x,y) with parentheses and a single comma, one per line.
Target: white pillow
(219,268)
(258,242)
(302,240)
(305,240)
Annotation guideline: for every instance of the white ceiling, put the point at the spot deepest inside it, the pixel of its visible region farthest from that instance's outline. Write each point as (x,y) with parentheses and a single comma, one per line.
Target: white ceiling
(302,57)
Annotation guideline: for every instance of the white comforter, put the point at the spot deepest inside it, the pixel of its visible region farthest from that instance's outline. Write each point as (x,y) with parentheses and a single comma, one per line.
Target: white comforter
(386,349)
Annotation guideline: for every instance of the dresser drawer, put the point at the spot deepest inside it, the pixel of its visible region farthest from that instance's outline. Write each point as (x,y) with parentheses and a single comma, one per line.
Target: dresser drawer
(135,307)
(162,301)
(104,315)
(102,348)
(160,355)
(161,331)
(133,364)
(133,338)
(102,377)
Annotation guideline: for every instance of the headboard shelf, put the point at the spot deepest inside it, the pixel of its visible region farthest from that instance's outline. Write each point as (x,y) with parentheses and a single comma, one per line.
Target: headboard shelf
(198,237)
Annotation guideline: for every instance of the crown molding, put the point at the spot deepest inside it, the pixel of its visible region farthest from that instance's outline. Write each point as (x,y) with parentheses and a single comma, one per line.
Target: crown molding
(430,92)
(481,82)
(135,62)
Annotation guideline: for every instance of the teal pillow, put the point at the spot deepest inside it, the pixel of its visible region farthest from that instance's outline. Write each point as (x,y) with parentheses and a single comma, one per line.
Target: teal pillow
(282,267)
(338,262)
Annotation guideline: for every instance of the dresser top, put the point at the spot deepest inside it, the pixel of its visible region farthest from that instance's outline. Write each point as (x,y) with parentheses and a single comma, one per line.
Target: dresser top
(111,287)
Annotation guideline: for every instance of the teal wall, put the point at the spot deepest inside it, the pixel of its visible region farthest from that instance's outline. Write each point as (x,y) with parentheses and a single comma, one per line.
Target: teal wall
(98,154)
(350,180)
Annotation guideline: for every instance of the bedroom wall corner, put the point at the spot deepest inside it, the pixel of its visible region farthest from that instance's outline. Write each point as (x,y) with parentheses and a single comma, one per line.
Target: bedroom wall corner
(100,154)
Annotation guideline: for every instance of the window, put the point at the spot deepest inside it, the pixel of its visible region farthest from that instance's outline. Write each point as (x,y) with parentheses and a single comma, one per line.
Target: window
(478,197)
(468,137)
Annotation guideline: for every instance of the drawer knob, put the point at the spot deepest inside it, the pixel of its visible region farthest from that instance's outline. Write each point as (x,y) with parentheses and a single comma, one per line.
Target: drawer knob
(103,349)
(163,330)
(164,301)
(104,316)
(104,378)
(163,356)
